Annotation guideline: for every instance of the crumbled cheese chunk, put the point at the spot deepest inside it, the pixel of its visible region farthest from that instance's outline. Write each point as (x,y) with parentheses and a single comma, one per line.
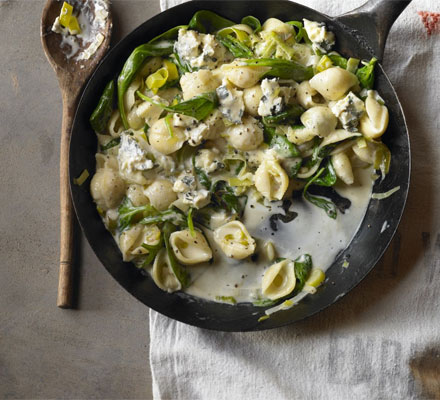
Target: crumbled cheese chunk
(349,110)
(208,160)
(198,49)
(131,157)
(231,103)
(197,198)
(321,38)
(271,103)
(194,130)
(184,183)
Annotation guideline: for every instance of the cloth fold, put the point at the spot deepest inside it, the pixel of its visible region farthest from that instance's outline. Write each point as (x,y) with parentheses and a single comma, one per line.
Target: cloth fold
(371,344)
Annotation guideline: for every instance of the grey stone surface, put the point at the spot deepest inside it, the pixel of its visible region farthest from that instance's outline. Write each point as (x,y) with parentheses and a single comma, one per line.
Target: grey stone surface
(99,350)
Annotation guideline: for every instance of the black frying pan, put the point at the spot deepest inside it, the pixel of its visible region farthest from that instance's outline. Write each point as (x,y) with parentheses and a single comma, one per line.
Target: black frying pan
(361,33)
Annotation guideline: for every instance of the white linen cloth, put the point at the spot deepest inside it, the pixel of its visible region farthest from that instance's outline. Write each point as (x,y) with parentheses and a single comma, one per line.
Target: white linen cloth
(364,346)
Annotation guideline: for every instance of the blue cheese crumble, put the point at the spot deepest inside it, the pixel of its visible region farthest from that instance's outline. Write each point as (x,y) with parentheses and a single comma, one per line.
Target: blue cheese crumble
(231,103)
(272,102)
(199,50)
(349,110)
(321,38)
(131,157)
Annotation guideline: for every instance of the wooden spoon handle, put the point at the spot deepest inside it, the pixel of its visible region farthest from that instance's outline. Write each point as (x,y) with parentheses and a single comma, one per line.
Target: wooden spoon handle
(65,281)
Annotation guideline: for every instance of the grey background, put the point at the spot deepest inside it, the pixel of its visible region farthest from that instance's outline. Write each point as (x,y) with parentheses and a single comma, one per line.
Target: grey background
(101,349)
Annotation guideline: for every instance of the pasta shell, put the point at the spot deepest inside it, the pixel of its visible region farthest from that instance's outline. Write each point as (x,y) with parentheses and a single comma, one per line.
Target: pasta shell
(279,280)
(190,249)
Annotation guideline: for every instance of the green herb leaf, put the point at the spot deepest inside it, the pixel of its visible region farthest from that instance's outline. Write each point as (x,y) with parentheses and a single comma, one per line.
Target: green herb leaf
(201,175)
(205,21)
(280,143)
(284,69)
(172,215)
(152,252)
(112,143)
(263,303)
(303,266)
(338,60)
(253,22)
(179,271)
(198,107)
(237,48)
(301,34)
(292,113)
(190,222)
(129,213)
(366,74)
(327,205)
(328,177)
(103,110)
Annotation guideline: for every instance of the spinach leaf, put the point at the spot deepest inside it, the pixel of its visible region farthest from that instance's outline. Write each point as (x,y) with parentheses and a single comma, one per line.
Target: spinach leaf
(161,45)
(301,34)
(198,107)
(112,143)
(103,110)
(237,48)
(253,22)
(172,215)
(128,213)
(292,166)
(327,205)
(263,302)
(280,143)
(290,115)
(284,69)
(328,177)
(223,197)
(179,271)
(338,60)
(181,65)
(366,74)
(201,175)
(303,266)
(152,252)
(205,21)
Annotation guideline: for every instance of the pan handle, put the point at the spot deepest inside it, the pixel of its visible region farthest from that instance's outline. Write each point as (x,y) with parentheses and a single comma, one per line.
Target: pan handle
(373,21)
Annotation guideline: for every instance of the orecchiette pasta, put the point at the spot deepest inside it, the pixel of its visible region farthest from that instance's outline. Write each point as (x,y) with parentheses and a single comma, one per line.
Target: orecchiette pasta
(375,122)
(365,153)
(277,26)
(131,240)
(279,280)
(271,180)
(161,194)
(307,96)
(243,76)
(163,274)
(252,97)
(319,119)
(136,195)
(190,249)
(164,141)
(333,83)
(107,188)
(343,169)
(234,239)
(246,136)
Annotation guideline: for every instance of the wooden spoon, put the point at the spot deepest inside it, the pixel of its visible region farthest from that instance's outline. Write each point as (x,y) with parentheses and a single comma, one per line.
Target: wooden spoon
(72,76)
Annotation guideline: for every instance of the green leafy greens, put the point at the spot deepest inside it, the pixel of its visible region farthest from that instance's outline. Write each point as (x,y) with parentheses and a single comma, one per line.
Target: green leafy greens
(103,110)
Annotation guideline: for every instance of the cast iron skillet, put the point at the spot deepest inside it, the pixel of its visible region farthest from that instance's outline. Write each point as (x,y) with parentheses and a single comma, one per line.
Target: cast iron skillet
(360,33)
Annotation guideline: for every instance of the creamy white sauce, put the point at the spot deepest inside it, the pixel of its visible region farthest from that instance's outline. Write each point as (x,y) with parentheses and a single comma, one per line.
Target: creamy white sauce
(312,232)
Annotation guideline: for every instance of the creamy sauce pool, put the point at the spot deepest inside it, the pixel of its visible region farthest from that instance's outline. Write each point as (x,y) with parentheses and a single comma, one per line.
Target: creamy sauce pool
(311,232)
